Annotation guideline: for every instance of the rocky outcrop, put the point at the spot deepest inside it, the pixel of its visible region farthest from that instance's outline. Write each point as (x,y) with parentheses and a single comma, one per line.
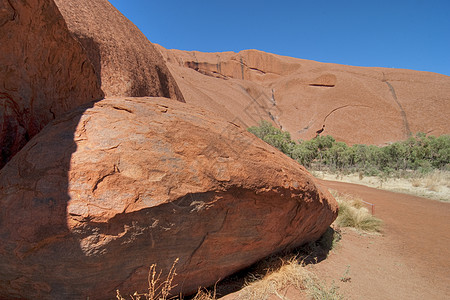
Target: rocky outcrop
(136,181)
(43,71)
(357,105)
(126,62)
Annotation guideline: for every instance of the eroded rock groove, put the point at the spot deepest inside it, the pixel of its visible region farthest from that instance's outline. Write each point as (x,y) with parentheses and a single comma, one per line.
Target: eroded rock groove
(402,111)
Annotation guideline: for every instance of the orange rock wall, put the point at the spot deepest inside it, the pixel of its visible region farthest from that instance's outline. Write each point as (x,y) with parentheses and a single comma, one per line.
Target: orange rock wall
(43,71)
(126,62)
(356,104)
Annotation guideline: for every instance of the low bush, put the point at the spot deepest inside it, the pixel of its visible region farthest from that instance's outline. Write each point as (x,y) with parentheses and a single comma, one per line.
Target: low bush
(420,152)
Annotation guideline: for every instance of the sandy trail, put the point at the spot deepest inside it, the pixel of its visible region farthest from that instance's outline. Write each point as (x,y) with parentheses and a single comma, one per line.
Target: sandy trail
(409,261)
(433,186)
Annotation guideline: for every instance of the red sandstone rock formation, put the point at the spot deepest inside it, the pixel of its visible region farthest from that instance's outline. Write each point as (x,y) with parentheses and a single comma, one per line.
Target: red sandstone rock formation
(136,181)
(125,60)
(43,72)
(357,105)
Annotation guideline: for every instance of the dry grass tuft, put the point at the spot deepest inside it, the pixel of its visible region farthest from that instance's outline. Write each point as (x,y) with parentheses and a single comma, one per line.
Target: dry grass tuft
(293,274)
(205,295)
(432,180)
(416,182)
(158,289)
(437,178)
(352,213)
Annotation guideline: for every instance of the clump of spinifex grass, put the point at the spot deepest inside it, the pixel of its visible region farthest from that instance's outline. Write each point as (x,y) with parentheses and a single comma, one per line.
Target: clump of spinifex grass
(352,213)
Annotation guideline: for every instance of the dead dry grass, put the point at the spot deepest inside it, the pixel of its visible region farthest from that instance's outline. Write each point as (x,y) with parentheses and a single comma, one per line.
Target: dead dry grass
(158,288)
(435,180)
(291,274)
(203,294)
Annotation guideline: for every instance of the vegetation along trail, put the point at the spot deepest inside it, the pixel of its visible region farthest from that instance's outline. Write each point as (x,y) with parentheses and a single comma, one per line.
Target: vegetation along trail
(409,261)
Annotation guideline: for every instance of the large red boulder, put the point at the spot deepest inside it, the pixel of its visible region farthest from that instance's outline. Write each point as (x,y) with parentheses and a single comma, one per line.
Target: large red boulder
(105,191)
(44,71)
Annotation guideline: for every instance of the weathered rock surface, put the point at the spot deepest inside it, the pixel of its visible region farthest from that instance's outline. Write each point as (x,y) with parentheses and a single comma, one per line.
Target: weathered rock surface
(44,71)
(105,191)
(125,60)
(357,105)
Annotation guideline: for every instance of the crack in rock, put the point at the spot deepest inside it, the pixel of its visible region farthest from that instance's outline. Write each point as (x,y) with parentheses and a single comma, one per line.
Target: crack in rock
(402,111)
(206,236)
(103,177)
(5,18)
(318,132)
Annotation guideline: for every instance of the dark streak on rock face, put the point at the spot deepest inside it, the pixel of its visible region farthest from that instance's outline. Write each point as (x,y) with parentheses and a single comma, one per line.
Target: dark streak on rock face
(164,82)
(322,85)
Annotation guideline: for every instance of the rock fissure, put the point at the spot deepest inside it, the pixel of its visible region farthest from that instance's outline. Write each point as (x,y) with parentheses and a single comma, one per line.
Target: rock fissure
(15,11)
(52,113)
(206,236)
(112,148)
(272,99)
(123,109)
(318,132)
(81,135)
(242,67)
(342,107)
(243,64)
(322,85)
(256,69)
(298,208)
(89,218)
(103,177)
(128,278)
(402,111)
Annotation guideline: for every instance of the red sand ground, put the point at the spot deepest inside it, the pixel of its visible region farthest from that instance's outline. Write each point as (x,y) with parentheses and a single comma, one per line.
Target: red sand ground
(410,260)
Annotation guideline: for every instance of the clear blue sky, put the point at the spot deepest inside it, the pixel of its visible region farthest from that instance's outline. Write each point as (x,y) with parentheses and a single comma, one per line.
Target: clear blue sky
(408,34)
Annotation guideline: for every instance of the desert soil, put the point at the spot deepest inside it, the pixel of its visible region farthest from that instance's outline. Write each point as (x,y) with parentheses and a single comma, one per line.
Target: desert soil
(409,260)
(436,188)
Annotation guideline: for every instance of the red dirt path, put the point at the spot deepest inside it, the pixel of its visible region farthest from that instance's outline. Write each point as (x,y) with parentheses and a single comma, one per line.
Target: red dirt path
(409,261)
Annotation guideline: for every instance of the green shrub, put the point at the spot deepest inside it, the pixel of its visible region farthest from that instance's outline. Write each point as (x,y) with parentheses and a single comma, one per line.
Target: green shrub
(420,152)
